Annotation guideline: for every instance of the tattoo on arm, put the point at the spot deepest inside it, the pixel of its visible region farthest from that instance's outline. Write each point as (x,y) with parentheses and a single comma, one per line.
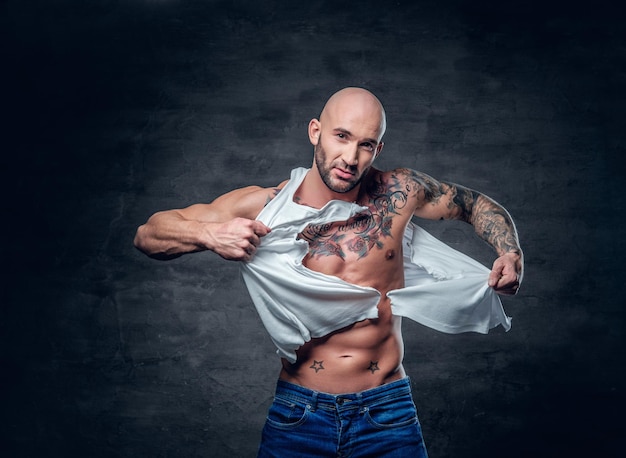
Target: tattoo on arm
(463,199)
(270,197)
(494,225)
(490,220)
(421,185)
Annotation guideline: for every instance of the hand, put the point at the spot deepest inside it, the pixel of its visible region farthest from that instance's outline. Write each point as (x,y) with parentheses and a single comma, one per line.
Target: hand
(238,239)
(506,274)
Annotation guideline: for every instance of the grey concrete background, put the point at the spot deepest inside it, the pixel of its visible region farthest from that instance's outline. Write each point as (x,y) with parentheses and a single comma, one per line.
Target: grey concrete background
(116,109)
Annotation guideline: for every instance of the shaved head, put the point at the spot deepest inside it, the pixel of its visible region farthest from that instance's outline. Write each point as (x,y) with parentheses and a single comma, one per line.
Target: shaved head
(356,100)
(347,138)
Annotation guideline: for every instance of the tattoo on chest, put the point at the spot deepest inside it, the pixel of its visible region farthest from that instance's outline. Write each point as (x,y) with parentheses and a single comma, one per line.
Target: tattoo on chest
(365,231)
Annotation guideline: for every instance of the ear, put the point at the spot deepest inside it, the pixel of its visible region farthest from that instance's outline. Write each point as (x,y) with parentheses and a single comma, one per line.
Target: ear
(379,148)
(315,129)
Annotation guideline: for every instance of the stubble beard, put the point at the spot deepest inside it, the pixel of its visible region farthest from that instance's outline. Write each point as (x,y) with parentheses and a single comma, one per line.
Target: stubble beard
(325,173)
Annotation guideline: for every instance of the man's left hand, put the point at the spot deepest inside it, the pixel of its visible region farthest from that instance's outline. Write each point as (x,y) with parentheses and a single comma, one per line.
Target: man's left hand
(506,274)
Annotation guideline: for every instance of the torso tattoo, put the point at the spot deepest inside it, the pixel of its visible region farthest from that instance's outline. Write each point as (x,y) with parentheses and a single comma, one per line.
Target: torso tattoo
(364,232)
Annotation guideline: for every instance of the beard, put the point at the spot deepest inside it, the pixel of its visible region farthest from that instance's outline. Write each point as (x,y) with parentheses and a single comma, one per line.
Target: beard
(333,183)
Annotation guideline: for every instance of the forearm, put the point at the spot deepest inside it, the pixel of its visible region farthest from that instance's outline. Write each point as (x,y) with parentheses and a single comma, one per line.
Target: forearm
(491,222)
(168,235)
(494,225)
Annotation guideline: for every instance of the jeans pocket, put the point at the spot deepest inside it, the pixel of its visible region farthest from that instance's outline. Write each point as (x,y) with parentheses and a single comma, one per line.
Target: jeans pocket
(286,414)
(395,413)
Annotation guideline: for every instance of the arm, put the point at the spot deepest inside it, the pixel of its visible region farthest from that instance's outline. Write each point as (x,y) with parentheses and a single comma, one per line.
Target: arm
(492,223)
(226,226)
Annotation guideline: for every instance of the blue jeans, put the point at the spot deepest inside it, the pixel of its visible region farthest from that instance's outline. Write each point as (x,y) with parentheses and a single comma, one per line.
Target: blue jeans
(381,422)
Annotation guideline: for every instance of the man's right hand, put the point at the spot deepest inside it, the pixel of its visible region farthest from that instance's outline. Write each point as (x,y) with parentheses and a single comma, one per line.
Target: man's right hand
(226,226)
(237,239)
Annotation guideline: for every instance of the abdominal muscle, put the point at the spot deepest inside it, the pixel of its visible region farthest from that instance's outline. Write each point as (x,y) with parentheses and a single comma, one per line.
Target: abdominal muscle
(361,356)
(368,353)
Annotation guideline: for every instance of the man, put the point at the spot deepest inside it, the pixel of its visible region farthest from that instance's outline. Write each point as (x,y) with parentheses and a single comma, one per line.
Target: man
(324,256)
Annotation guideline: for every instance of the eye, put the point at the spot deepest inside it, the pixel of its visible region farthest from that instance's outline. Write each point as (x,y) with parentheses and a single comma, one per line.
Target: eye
(368,146)
(341,135)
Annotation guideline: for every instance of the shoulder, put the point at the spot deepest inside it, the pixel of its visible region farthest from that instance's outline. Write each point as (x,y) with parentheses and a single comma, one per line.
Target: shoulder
(246,202)
(256,193)
(409,181)
(414,177)
(249,201)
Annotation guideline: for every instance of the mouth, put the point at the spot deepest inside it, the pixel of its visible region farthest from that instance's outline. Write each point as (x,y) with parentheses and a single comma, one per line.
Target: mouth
(344,174)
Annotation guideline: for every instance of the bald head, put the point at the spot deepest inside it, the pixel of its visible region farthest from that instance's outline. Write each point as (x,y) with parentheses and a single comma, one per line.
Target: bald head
(353,102)
(347,138)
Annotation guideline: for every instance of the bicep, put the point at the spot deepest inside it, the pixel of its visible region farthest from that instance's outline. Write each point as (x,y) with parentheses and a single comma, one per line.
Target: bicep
(441,200)
(240,203)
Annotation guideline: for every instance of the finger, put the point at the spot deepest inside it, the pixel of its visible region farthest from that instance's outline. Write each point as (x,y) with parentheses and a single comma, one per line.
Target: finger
(248,253)
(254,240)
(260,229)
(507,284)
(507,279)
(494,277)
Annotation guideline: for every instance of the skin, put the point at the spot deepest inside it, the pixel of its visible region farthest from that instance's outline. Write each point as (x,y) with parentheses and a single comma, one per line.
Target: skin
(365,250)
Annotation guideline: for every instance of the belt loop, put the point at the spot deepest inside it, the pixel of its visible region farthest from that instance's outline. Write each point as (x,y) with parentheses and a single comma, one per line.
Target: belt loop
(314,401)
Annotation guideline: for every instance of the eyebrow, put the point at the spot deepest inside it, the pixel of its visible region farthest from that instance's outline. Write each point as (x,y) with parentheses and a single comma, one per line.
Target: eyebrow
(347,132)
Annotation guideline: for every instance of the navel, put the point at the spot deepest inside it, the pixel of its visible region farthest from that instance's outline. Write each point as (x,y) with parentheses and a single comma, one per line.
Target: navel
(390,254)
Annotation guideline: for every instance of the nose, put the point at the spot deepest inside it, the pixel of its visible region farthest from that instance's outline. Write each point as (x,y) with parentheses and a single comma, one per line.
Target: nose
(351,155)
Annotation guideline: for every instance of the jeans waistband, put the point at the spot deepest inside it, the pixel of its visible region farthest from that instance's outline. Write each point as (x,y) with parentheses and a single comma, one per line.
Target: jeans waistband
(313,398)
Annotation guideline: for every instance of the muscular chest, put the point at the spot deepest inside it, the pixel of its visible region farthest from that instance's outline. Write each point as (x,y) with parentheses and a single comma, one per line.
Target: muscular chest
(365,250)
(369,243)
(361,236)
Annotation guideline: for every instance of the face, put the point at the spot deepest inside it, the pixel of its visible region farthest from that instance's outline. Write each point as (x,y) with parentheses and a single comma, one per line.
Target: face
(336,174)
(347,139)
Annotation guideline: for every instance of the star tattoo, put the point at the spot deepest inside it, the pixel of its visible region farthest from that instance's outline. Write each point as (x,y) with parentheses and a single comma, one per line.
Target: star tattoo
(317,366)
(373,366)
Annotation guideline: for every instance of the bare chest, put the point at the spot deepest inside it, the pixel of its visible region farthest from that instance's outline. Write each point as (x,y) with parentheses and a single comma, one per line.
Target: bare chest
(365,250)
(355,239)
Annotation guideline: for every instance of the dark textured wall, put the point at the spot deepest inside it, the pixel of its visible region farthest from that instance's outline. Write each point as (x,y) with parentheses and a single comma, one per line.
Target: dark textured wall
(116,109)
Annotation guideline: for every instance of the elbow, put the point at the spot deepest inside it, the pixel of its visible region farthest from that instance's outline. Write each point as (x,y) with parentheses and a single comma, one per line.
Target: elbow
(141,241)
(138,241)
(145,243)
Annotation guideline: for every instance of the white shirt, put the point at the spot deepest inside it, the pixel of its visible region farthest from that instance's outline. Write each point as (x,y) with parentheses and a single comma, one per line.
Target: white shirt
(444,289)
